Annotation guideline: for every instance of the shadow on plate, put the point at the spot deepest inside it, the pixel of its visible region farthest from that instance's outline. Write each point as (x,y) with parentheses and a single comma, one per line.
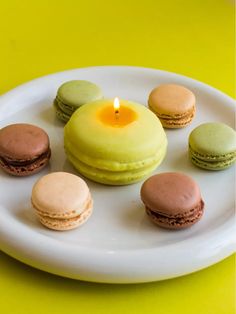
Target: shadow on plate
(28,217)
(48,115)
(182,162)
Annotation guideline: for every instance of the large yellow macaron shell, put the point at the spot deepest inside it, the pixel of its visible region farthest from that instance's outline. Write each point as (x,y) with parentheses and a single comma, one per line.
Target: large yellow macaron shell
(135,142)
(93,146)
(61,200)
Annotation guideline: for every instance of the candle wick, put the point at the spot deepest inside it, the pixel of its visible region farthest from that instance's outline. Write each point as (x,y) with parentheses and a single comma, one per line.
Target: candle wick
(117,114)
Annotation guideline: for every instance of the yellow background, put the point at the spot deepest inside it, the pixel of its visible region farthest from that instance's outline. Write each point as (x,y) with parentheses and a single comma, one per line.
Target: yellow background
(191,37)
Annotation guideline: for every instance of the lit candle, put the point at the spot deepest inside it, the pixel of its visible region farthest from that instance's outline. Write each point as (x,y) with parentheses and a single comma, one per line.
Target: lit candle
(114,142)
(116,107)
(117,114)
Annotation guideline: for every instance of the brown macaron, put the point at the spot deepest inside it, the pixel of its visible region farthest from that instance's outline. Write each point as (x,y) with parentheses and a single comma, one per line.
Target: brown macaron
(24,149)
(173,104)
(172,200)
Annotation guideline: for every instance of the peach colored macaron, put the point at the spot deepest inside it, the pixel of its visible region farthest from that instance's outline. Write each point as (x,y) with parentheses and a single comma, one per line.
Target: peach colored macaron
(61,200)
(173,104)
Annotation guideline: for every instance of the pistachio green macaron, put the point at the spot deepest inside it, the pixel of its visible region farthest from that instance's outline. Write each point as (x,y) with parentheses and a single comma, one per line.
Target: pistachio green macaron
(212,146)
(73,94)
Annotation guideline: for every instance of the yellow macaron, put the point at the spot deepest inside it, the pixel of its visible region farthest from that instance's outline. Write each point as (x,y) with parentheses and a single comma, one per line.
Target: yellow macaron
(114,155)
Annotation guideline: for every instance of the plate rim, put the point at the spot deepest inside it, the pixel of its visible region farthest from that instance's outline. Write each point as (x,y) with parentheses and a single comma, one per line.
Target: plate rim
(227,246)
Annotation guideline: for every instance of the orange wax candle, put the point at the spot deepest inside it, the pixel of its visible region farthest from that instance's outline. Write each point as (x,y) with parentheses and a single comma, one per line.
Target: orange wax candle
(117,115)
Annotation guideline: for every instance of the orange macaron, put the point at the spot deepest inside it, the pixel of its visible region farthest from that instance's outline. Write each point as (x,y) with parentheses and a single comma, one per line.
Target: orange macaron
(173,104)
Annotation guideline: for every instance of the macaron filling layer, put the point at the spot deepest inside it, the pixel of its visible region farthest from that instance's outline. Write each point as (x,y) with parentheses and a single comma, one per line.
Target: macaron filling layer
(68,109)
(59,113)
(24,162)
(172,116)
(23,167)
(179,220)
(177,120)
(213,158)
(212,165)
(64,215)
(114,165)
(65,224)
(113,177)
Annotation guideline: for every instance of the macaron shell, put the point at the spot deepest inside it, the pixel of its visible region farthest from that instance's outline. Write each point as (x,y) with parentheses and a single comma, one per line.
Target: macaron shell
(171,100)
(23,141)
(78,92)
(60,194)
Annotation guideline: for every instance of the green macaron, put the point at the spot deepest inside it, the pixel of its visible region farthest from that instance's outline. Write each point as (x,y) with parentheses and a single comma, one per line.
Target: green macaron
(212,146)
(73,94)
(61,115)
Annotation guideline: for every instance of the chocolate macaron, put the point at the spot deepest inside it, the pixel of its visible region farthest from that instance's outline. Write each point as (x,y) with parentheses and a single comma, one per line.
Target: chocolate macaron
(24,149)
(172,200)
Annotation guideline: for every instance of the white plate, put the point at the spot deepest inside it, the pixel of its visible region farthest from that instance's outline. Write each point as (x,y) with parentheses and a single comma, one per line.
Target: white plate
(118,244)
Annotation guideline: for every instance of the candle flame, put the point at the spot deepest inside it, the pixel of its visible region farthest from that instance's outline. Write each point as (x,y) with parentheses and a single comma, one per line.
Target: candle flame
(116,104)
